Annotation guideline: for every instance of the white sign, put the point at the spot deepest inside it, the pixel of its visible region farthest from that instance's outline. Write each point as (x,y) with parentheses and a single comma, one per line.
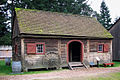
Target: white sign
(97,58)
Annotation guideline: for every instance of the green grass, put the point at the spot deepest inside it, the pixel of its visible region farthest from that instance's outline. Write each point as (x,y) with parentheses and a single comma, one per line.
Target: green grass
(7,70)
(117,64)
(38,72)
(113,76)
(4,70)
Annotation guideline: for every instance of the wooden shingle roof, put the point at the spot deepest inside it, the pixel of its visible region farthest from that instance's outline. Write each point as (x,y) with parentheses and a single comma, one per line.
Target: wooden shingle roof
(53,23)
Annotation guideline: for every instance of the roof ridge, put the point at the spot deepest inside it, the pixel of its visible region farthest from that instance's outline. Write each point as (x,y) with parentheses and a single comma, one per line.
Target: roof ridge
(61,13)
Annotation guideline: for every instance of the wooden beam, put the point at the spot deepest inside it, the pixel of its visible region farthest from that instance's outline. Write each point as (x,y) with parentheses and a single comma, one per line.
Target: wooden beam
(88,49)
(111,54)
(59,49)
(23,55)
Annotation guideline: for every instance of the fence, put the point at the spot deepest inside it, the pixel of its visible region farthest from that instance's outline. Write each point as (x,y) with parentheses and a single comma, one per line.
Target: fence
(5,51)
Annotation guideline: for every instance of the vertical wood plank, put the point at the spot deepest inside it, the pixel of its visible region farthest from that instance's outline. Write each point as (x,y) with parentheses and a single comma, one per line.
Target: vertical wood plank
(111,54)
(22,54)
(59,49)
(88,49)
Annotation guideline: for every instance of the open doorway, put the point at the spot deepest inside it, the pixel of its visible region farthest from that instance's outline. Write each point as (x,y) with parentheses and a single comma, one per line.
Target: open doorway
(75,51)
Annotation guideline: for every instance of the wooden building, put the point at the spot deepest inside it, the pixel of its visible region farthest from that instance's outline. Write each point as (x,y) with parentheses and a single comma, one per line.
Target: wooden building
(114,30)
(73,38)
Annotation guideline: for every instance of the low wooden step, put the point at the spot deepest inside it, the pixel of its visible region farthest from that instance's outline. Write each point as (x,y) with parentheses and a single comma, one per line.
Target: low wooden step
(76,65)
(74,62)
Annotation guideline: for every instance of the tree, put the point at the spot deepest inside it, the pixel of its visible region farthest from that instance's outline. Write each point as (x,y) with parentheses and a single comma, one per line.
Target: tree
(104,18)
(66,6)
(5,38)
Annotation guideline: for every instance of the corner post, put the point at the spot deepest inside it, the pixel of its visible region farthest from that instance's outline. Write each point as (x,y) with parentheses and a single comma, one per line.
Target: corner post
(23,55)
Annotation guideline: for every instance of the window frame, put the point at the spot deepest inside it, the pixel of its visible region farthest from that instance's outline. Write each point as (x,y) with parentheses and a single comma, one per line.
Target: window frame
(102,48)
(43,48)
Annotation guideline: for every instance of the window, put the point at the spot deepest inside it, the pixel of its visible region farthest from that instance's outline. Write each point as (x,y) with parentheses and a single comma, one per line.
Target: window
(39,48)
(100,47)
(36,48)
(103,47)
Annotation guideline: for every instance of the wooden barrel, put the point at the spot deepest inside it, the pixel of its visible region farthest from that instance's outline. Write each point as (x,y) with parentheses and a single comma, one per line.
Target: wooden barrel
(16,67)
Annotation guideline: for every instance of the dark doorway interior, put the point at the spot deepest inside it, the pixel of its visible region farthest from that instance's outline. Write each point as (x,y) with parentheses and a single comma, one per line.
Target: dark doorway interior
(74,51)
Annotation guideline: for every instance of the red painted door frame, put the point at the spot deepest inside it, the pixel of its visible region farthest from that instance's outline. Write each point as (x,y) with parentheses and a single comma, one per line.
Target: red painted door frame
(81,49)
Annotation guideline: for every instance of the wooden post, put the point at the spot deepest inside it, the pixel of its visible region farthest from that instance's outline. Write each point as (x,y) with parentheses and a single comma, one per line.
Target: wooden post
(111,50)
(59,50)
(88,49)
(23,56)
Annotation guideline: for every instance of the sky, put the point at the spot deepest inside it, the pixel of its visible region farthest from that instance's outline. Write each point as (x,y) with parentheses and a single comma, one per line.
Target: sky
(113,6)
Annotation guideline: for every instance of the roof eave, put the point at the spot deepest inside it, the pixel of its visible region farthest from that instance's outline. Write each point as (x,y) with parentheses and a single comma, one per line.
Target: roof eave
(26,35)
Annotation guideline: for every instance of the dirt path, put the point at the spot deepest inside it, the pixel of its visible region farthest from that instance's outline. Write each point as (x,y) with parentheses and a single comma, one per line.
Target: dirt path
(63,74)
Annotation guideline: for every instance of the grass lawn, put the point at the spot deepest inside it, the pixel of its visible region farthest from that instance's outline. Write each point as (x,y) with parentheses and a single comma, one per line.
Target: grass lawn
(4,69)
(117,64)
(113,76)
(7,70)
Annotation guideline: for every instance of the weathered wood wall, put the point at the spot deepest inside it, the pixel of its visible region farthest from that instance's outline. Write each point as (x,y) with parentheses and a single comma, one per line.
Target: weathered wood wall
(15,28)
(16,56)
(58,46)
(16,41)
(93,46)
(116,40)
(36,61)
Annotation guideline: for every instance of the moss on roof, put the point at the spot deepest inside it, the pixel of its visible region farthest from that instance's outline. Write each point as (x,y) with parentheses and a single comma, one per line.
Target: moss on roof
(45,22)
(18,9)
